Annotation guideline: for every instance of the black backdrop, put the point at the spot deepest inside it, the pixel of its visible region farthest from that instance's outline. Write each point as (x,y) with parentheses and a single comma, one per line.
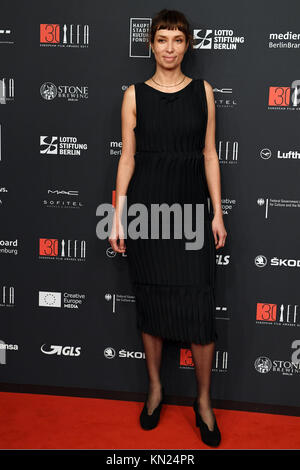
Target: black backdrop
(64,68)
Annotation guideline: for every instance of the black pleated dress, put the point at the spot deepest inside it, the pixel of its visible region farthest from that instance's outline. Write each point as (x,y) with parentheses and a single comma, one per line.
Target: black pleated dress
(173,287)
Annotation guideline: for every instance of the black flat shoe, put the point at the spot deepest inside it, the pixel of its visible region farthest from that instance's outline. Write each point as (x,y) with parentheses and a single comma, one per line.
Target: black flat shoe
(151,421)
(210,438)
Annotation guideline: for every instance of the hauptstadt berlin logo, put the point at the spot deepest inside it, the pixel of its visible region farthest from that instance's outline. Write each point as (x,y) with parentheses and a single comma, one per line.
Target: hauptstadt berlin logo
(49,91)
(138,227)
(138,40)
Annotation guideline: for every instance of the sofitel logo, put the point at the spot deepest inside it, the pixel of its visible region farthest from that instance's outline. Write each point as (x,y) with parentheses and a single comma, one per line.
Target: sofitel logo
(49,91)
(223,98)
(53,248)
(62,199)
(285,97)
(56,35)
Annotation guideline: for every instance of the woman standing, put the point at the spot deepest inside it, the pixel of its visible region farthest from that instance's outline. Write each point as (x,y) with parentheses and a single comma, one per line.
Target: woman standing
(169,156)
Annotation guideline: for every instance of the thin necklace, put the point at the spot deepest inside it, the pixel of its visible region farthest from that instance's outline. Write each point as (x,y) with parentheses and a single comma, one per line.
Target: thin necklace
(169,86)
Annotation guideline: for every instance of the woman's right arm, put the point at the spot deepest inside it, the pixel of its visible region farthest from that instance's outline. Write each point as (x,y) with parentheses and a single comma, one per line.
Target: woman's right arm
(126,164)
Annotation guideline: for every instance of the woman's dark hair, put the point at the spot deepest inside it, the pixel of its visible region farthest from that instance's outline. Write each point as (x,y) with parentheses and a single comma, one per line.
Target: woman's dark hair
(170,19)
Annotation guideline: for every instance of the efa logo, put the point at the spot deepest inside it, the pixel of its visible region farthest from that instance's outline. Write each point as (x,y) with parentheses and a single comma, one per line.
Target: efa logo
(266,312)
(48,247)
(186,358)
(61,350)
(65,34)
(50,33)
(285,96)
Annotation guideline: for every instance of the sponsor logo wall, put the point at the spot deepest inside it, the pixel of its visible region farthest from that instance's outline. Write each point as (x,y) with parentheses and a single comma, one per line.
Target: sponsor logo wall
(67,309)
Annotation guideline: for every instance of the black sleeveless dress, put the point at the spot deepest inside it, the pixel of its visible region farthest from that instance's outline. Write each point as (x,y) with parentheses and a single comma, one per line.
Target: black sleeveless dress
(173,286)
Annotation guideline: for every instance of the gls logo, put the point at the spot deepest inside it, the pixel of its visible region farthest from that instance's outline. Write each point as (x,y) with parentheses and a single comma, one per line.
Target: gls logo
(62,350)
(222,260)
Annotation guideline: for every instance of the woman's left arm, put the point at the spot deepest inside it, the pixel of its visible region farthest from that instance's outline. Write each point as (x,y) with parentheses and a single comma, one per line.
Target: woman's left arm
(212,169)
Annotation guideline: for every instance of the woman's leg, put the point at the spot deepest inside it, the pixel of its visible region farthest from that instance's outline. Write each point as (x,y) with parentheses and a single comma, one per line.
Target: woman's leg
(153,352)
(203,358)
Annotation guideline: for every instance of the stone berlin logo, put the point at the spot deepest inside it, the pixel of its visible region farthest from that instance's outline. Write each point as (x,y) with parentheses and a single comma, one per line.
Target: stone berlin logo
(263,365)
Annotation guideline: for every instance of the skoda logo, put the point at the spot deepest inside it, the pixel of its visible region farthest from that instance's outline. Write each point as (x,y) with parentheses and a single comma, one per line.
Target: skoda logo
(109,353)
(260,261)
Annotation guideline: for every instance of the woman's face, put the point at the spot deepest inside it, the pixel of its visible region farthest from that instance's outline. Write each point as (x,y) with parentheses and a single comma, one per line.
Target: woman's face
(169,47)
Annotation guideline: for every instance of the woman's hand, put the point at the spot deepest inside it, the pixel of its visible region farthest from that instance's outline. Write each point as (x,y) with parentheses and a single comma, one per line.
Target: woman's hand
(219,230)
(117,233)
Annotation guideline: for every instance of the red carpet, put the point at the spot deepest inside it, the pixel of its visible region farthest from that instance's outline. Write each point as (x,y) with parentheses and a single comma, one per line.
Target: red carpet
(30,421)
